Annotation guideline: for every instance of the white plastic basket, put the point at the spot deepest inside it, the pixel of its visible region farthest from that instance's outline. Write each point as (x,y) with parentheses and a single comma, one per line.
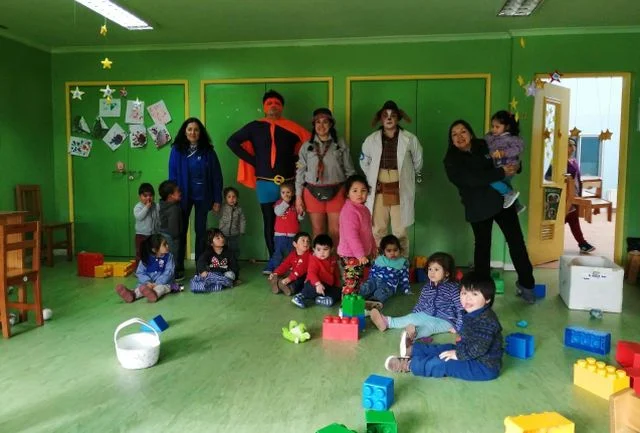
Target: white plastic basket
(139,350)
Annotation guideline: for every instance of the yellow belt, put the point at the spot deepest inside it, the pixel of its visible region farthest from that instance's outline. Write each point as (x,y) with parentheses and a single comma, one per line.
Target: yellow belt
(278,180)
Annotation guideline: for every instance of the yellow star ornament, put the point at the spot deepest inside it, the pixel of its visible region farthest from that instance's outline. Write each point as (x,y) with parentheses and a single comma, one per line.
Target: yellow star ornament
(103,30)
(513,104)
(520,80)
(106,63)
(539,83)
(546,134)
(522,43)
(575,132)
(605,135)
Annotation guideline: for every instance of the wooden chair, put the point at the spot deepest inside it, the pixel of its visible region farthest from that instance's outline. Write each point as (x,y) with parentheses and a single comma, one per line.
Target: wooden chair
(586,205)
(28,198)
(15,240)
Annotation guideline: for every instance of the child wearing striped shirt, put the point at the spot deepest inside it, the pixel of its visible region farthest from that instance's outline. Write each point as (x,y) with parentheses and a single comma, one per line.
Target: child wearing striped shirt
(389,274)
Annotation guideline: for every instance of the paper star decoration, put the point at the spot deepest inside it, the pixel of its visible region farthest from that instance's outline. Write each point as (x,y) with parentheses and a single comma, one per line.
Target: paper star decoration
(107,91)
(575,132)
(137,103)
(513,104)
(605,135)
(539,83)
(522,42)
(520,80)
(123,92)
(103,30)
(106,63)
(555,76)
(531,89)
(77,93)
(517,116)
(546,134)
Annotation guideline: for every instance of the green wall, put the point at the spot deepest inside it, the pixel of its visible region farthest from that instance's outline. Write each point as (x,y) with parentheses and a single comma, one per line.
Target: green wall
(25,123)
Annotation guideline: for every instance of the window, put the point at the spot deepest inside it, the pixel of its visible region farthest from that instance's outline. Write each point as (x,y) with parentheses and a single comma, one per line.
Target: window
(589,154)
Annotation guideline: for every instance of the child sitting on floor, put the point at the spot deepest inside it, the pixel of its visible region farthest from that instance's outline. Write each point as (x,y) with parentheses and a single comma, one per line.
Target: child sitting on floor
(216,268)
(438,308)
(478,354)
(323,276)
(295,264)
(154,272)
(389,274)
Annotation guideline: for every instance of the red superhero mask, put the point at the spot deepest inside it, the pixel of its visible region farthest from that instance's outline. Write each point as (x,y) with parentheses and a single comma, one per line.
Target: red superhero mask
(272,103)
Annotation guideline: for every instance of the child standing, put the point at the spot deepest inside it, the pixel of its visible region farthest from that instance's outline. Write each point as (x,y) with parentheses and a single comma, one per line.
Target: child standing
(438,308)
(232,223)
(478,354)
(323,276)
(389,274)
(286,226)
(356,235)
(147,216)
(296,264)
(215,269)
(505,147)
(171,224)
(154,272)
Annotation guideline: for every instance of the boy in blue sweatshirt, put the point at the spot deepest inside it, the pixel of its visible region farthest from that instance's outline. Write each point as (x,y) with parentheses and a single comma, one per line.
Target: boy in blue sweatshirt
(478,354)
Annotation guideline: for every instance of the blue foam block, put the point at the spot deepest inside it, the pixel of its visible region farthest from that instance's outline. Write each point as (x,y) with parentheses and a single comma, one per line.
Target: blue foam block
(587,339)
(377,392)
(540,290)
(361,320)
(520,345)
(421,275)
(158,323)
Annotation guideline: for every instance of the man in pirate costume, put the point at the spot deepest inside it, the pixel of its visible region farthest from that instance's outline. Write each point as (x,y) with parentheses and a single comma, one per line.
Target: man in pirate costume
(391,159)
(268,151)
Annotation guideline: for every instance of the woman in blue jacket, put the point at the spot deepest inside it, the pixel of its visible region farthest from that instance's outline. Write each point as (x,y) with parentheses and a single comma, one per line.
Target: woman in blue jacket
(194,166)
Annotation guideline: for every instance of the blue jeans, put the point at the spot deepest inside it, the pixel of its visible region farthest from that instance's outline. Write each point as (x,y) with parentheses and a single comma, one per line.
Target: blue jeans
(503,186)
(425,324)
(425,361)
(283,246)
(376,290)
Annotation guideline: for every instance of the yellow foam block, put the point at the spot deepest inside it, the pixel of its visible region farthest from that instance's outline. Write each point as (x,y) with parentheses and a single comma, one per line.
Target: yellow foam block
(546,422)
(103,271)
(420,261)
(599,378)
(121,269)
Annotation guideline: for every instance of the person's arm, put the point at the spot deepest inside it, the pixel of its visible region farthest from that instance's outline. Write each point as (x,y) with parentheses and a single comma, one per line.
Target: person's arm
(202,265)
(141,273)
(416,157)
(174,162)
(475,341)
(166,277)
(347,163)
(301,170)
(243,220)
(216,177)
(312,272)
(351,224)
(462,176)
(300,267)
(140,211)
(174,221)
(365,156)
(280,207)
(286,264)
(235,144)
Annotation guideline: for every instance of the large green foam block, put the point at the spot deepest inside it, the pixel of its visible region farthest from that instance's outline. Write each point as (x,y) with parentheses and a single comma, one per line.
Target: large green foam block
(335,428)
(352,305)
(381,421)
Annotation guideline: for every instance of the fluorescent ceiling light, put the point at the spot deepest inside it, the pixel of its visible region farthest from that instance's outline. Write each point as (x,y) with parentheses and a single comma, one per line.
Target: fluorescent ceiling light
(115,13)
(517,8)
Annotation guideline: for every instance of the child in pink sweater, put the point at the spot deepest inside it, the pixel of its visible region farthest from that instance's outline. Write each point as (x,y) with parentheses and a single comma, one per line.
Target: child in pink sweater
(356,235)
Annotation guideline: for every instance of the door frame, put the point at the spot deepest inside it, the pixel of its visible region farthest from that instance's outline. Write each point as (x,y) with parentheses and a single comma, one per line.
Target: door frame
(624,143)
(67,87)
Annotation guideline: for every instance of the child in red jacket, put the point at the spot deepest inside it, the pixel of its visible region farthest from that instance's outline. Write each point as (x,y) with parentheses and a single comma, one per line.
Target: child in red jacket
(323,276)
(295,264)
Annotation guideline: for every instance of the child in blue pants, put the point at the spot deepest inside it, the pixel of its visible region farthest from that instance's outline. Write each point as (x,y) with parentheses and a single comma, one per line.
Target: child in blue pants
(389,274)
(478,354)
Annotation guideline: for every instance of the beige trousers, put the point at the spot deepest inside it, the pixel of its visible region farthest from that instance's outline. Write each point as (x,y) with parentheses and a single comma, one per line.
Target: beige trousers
(382,215)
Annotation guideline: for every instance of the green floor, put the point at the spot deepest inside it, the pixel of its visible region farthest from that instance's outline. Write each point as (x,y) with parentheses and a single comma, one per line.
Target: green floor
(225,368)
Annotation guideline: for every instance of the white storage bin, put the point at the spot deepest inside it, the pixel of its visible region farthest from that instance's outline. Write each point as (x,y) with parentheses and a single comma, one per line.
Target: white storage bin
(588,282)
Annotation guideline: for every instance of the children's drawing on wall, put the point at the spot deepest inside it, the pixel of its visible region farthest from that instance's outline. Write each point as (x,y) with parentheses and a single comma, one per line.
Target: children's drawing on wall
(160,135)
(159,113)
(79,146)
(79,124)
(100,128)
(135,112)
(115,137)
(137,136)
(109,108)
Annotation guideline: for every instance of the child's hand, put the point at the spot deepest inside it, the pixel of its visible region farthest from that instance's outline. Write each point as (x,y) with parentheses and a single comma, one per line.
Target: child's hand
(215,208)
(320,289)
(363,260)
(453,330)
(448,355)
(299,206)
(273,276)
(204,274)
(286,281)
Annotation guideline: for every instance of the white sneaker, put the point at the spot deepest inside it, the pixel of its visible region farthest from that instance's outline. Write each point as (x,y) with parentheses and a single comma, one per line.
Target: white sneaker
(510,198)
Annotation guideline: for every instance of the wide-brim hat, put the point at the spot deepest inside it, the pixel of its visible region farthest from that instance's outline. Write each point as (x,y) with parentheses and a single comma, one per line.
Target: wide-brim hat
(391,105)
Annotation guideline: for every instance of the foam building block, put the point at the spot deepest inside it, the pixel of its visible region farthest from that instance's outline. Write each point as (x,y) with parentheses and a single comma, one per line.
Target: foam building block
(377,392)
(122,269)
(158,323)
(352,305)
(599,378)
(361,320)
(419,262)
(520,345)
(335,428)
(103,271)
(539,423)
(588,283)
(340,328)
(634,378)
(587,339)
(381,421)
(87,263)
(624,412)
(499,282)
(627,352)
(540,290)
(421,275)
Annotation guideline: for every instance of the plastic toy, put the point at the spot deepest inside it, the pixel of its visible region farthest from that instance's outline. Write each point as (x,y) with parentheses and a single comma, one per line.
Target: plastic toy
(337,328)
(103,271)
(335,428)
(361,320)
(624,412)
(595,314)
(352,305)
(540,290)
(499,282)
(538,423)
(158,323)
(599,378)
(122,269)
(520,345)
(377,392)
(459,275)
(587,339)
(381,421)
(419,262)
(296,332)
(47,314)
(628,353)
(87,262)
(522,324)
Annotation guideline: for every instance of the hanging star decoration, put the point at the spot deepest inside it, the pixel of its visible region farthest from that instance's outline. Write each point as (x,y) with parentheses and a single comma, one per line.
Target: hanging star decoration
(575,132)
(517,116)
(137,103)
(522,42)
(539,83)
(546,134)
(103,30)
(605,135)
(77,93)
(107,92)
(106,63)
(555,76)
(123,92)
(531,89)
(513,104)
(520,80)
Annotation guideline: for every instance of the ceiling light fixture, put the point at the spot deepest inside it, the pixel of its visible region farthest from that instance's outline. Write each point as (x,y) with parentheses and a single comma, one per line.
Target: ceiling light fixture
(517,8)
(115,13)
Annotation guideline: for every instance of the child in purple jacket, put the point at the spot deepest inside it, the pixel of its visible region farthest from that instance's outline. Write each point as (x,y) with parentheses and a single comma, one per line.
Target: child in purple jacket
(505,147)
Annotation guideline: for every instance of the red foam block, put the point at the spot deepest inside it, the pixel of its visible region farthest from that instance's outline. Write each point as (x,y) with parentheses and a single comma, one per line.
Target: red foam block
(336,328)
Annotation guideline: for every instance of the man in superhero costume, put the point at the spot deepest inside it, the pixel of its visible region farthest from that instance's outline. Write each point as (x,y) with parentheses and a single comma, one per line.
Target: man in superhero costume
(268,151)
